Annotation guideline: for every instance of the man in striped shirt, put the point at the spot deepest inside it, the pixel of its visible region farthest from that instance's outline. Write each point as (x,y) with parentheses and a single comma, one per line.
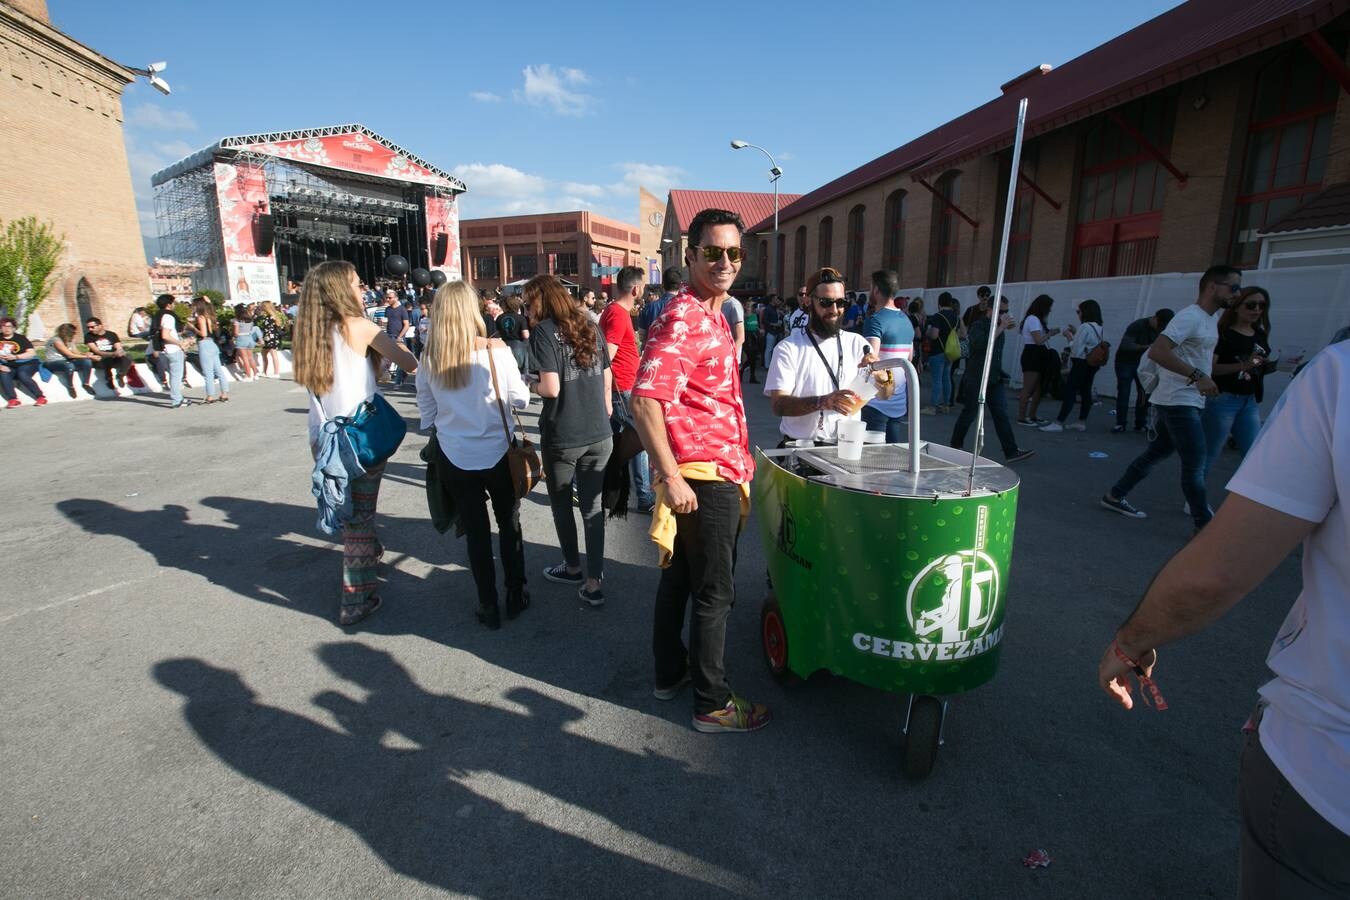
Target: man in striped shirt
(891,335)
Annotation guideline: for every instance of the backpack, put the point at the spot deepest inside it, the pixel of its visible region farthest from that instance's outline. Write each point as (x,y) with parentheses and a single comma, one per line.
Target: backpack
(1098,355)
(1147,374)
(509,327)
(952,348)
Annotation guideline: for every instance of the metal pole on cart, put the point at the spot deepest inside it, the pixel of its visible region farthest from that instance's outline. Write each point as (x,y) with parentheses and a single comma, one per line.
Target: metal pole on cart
(998,289)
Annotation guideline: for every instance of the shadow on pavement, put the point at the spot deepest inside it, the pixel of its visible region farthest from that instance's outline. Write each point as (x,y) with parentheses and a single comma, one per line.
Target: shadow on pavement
(456,802)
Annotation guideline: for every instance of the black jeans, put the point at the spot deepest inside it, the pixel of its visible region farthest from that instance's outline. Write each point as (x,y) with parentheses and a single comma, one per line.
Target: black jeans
(997,404)
(1078,387)
(1127,375)
(471,489)
(119,365)
(704,568)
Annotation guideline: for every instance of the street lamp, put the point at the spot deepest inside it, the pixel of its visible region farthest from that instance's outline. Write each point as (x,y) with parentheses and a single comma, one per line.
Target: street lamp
(774,174)
(152,72)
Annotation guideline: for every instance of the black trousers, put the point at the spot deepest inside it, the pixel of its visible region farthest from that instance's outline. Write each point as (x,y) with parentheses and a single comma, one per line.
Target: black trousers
(703,570)
(995,402)
(471,490)
(1078,387)
(120,365)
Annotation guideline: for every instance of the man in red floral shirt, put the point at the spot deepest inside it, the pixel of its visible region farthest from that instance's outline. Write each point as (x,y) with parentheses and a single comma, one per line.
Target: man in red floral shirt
(689,412)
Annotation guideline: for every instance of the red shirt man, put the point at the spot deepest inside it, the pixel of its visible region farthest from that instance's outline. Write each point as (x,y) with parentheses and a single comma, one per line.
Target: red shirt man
(616,323)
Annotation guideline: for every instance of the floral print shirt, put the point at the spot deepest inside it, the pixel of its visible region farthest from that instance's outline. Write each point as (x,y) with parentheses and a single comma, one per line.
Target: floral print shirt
(689,365)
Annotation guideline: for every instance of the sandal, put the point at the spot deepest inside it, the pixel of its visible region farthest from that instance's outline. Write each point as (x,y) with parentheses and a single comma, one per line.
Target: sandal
(351,615)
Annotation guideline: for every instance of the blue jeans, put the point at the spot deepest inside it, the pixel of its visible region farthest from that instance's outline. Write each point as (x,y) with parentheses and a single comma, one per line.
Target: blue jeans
(65,368)
(638,469)
(208,357)
(21,371)
(1127,375)
(876,420)
(1179,430)
(940,370)
(175,362)
(1238,414)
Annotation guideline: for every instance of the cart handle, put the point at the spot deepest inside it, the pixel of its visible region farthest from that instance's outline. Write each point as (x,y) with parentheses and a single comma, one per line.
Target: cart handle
(913,394)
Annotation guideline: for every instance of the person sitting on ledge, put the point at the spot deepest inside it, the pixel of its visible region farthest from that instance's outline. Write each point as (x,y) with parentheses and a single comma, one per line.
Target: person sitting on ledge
(108,353)
(18,361)
(64,361)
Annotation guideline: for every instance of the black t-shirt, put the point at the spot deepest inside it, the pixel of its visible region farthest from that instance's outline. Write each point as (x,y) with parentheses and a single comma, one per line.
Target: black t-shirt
(1235,347)
(576,417)
(104,343)
(15,345)
(1138,337)
(511,327)
(944,322)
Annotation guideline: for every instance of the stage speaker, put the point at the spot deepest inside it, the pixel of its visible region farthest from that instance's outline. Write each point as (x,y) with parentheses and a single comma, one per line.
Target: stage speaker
(264,232)
(442,248)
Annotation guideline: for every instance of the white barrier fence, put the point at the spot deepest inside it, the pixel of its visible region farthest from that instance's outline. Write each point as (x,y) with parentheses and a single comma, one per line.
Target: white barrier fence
(55,390)
(1307,306)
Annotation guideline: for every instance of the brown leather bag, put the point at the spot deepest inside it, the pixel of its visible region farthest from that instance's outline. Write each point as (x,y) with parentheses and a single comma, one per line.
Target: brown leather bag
(521,457)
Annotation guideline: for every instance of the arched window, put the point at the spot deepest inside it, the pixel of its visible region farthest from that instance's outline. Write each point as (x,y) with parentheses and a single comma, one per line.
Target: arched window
(856,233)
(84,301)
(1287,143)
(893,241)
(798,262)
(946,235)
(1120,193)
(825,242)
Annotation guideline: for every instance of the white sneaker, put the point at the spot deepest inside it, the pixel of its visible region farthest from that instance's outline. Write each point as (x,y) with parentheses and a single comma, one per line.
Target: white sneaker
(1077,426)
(1052,428)
(1186,509)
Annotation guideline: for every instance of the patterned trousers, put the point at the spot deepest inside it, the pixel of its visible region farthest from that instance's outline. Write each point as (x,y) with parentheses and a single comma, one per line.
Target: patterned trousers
(361,550)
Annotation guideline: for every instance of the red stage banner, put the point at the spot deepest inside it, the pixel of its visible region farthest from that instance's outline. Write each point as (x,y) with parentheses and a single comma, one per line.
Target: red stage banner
(241,194)
(354,152)
(443,218)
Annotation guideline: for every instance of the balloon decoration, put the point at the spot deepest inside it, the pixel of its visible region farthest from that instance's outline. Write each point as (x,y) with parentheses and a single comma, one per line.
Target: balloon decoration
(396,266)
(420,277)
(438,277)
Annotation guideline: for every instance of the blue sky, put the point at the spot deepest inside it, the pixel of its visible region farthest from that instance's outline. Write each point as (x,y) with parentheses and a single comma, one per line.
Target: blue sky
(542,107)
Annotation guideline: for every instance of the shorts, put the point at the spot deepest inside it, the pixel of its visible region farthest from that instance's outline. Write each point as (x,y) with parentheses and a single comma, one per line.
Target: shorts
(1039,359)
(244,342)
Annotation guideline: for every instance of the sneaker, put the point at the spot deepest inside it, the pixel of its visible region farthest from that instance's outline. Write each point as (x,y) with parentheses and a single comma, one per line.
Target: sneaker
(41,401)
(737,715)
(1042,422)
(1076,426)
(1122,506)
(560,575)
(1186,509)
(1028,421)
(1021,455)
(1052,428)
(594,598)
(13,403)
(71,391)
(1117,429)
(929,410)
(673,691)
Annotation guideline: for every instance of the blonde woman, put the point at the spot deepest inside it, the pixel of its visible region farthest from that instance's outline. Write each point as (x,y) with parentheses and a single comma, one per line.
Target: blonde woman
(271,323)
(456,394)
(337,351)
(206,326)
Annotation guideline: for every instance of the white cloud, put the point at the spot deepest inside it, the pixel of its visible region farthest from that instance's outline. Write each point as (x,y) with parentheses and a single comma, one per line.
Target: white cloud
(497,180)
(584,190)
(496,189)
(654,177)
(154,117)
(484,97)
(545,86)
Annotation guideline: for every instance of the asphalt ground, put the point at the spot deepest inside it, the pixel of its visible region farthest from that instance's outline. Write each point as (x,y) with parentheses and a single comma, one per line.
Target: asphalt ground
(183,717)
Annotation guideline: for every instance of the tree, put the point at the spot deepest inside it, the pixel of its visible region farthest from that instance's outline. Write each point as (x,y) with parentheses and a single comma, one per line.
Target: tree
(29,252)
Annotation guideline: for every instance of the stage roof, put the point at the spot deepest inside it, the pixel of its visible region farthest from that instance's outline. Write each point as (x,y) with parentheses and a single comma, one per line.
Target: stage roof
(351,149)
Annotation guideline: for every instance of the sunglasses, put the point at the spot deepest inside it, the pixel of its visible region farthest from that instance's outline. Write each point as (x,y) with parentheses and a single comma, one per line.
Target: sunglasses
(827,303)
(713,254)
(1255,304)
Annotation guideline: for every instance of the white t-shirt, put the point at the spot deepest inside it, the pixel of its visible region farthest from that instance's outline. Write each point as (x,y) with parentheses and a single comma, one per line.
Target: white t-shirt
(168,321)
(735,313)
(1087,337)
(1033,323)
(798,371)
(1195,332)
(1300,465)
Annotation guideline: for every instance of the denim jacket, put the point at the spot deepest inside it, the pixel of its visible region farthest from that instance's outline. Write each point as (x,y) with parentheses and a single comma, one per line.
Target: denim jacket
(335,465)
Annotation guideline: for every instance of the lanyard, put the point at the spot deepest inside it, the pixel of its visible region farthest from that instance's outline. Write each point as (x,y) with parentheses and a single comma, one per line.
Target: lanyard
(839,344)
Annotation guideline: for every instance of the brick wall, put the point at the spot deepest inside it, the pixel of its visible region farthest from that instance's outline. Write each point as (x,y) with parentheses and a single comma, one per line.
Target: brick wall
(65,162)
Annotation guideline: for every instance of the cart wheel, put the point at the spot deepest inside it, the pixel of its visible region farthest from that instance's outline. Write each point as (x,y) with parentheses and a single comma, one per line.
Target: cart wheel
(923,734)
(773,639)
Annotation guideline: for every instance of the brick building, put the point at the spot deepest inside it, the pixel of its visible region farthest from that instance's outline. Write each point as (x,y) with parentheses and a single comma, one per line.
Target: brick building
(1163,150)
(66,163)
(168,276)
(682,206)
(573,245)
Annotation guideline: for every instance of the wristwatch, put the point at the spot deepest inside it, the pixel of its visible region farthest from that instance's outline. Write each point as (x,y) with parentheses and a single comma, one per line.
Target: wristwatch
(1195,376)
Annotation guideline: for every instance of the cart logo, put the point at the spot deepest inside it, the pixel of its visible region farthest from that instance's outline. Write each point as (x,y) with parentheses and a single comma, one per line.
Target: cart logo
(787,537)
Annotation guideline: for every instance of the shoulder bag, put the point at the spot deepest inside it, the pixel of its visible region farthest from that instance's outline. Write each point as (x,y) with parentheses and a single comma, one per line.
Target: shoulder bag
(521,457)
(376,430)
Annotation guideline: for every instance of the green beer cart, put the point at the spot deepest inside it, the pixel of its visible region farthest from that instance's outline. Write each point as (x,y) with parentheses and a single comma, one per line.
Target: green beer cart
(890,570)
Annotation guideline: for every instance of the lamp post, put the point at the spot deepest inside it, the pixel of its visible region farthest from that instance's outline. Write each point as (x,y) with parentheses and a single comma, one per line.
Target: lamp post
(774,174)
(151,72)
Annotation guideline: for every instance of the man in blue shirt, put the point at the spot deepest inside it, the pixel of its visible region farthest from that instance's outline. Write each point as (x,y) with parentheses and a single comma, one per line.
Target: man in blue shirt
(396,325)
(670,284)
(891,335)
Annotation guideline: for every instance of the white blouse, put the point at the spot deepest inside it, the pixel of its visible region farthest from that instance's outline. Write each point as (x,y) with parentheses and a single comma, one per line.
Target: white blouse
(467,419)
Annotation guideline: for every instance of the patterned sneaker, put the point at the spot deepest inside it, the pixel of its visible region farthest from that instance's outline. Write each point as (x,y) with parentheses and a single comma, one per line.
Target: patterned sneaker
(737,715)
(1122,506)
(673,691)
(560,575)
(1031,422)
(594,598)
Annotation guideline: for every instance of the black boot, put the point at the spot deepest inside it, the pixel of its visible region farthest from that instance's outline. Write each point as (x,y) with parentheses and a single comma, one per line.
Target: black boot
(489,616)
(517,601)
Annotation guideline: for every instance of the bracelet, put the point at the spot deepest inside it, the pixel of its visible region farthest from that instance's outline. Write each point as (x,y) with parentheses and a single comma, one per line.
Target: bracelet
(1145,682)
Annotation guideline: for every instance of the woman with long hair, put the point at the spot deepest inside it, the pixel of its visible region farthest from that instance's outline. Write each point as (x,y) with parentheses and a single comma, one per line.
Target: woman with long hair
(244,342)
(1241,363)
(336,353)
(271,322)
(1084,339)
(574,379)
(458,395)
(205,324)
(67,363)
(1037,359)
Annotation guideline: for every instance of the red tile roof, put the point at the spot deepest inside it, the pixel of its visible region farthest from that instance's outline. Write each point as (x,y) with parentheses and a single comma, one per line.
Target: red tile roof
(1328,208)
(1195,37)
(752,207)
